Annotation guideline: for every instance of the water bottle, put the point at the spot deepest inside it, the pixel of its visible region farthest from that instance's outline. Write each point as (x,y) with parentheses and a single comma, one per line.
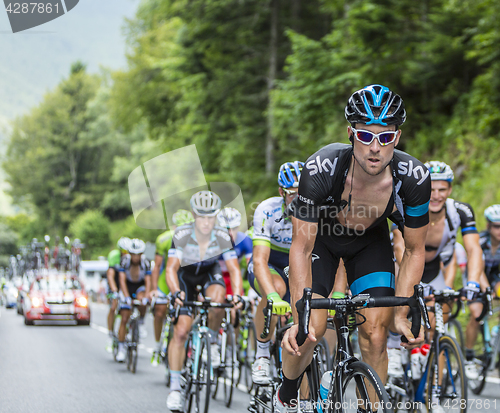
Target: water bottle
(324,388)
(424,354)
(416,371)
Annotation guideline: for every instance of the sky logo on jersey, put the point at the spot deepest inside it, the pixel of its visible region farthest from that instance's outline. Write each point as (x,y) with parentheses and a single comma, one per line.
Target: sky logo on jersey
(24,15)
(419,172)
(318,165)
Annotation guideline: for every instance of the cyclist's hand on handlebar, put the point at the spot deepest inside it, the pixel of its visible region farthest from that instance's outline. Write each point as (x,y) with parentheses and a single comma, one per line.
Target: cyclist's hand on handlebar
(402,326)
(289,342)
(237,301)
(471,290)
(153,294)
(179,298)
(280,307)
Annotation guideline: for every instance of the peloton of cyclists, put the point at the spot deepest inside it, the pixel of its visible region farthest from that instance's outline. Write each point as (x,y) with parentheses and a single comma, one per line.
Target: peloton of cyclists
(193,261)
(159,289)
(135,282)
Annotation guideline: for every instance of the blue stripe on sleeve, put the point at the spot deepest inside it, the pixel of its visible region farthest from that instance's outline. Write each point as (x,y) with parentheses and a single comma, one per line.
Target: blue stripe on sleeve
(417,211)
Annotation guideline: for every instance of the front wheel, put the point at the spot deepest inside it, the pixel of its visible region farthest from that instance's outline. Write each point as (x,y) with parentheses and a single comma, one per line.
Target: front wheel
(203,380)
(231,366)
(361,387)
(450,391)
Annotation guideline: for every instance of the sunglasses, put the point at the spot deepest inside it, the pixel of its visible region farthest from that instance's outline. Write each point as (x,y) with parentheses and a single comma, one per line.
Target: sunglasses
(290,192)
(496,226)
(367,137)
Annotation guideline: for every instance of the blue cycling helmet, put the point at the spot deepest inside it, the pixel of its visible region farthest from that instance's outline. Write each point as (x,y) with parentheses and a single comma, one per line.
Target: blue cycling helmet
(289,174)
(375,105)
(440,171)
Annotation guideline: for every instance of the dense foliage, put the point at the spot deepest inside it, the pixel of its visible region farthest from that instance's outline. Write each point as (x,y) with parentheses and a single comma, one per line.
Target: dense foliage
(259,82)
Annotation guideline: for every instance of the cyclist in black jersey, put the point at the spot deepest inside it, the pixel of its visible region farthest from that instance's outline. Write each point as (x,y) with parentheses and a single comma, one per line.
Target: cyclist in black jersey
(346,194)
(135,282)
(193,260)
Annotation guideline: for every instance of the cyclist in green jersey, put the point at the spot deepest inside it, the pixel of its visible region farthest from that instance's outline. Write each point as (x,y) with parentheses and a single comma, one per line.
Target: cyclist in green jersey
(159,289)
(114,258)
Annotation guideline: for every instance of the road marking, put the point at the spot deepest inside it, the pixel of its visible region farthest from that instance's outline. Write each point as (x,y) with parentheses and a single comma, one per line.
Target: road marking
(493,380)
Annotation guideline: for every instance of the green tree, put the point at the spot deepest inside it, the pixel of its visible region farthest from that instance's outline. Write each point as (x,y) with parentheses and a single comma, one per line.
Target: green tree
(93,229)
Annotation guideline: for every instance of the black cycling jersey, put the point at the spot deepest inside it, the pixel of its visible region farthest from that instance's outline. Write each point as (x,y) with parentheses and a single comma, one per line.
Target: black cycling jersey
(144,270)
(491,261)
(323,178)
(367,255)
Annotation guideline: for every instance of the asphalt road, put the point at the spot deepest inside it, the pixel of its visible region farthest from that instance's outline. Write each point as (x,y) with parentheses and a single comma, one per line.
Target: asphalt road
(54,368)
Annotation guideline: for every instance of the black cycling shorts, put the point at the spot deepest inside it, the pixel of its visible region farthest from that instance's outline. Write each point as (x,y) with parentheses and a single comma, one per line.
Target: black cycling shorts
(189,281)
(367,256)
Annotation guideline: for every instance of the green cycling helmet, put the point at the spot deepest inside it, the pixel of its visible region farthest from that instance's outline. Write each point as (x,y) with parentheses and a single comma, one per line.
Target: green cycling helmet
(182,217)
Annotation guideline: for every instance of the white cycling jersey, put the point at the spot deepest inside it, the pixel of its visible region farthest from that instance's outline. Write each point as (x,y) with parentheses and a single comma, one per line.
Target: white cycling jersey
(273,231)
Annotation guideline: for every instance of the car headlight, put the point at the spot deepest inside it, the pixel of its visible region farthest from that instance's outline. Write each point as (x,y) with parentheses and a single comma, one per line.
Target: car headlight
(36,302)
(81,301)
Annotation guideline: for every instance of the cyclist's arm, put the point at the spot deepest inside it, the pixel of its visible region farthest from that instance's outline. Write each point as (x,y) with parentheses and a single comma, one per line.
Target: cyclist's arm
(398,245)
(475,262)
(261,269)
(410,274)
(123,284)
(450,271)
(110,275)
(233,267)
(155,274)
(173,265)
(300,277)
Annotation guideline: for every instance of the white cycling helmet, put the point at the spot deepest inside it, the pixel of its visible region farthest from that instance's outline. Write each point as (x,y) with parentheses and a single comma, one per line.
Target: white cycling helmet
(492,213)
(123,243)
(229,218)
(206,203)
(440,171)
(136,246)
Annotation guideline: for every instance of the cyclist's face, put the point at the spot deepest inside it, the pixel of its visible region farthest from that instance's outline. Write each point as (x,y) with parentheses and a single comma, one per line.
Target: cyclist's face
(289,194)
(204,224)
(441,190)
(373,158)
(135,258)
(494,229)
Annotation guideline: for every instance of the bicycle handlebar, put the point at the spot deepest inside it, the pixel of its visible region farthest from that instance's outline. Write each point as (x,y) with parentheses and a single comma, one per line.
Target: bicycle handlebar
(206,304)
(268,314)
(415,302)
(487,298)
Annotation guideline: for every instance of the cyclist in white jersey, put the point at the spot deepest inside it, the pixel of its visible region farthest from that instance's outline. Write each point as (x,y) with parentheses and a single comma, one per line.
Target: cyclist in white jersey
(272,238)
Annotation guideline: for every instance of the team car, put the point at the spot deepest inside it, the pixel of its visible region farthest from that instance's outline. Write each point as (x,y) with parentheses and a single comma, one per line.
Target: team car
(56,297)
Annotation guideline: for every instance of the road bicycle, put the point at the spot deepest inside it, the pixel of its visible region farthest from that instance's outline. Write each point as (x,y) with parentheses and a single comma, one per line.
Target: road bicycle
(227,370)
(487,353)
(197,375)
(354,384)
(247,345)
(132,340)
(443,381)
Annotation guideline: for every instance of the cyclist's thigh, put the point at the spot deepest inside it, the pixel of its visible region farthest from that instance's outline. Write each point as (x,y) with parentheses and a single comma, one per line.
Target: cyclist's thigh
(325,262)
(187,283)
(280,280)
(476,309)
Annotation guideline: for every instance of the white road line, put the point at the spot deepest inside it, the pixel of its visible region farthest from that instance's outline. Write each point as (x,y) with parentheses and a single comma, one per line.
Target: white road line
(495,380)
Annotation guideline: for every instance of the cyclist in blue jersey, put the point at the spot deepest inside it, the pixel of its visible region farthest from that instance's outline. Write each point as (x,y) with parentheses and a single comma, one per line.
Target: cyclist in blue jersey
(193,260)
(346,193)
(230,218)
(272,237)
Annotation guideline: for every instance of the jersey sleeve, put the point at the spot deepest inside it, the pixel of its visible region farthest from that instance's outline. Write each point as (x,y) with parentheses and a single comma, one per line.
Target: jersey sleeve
(147,266)
(467,218)
(246,247)
(179,241)
(417,192)
(262,223)
(124,263)
(315,184)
